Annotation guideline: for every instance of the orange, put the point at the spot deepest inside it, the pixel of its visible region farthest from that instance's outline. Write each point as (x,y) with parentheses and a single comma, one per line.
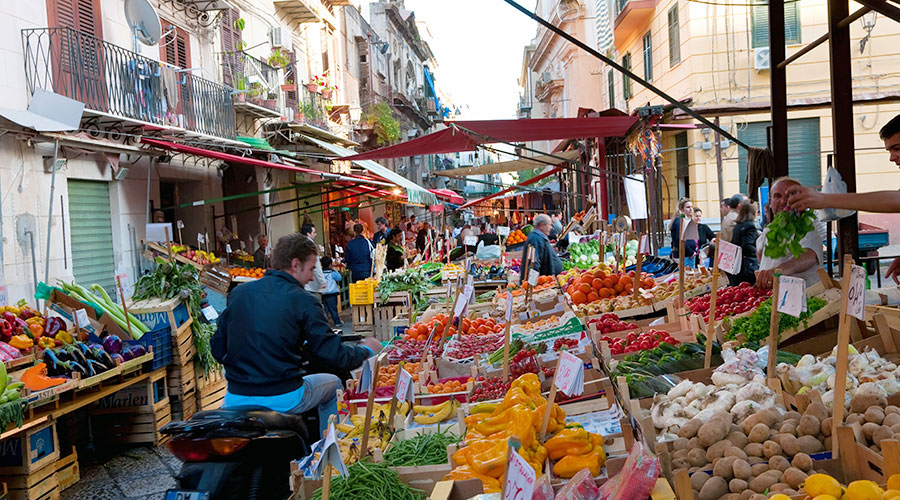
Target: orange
(614,278)
(599,274)
(619,287)
(591,297)
(579,298)
(585,288)
(608,282)
(597,283)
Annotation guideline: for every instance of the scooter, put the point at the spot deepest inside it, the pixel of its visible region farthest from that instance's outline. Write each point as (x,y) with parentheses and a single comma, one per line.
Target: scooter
(242,452)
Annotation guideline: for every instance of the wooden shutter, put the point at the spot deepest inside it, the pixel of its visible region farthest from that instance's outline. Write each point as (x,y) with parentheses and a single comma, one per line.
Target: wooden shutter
(674,37)
(804,150)
(292,97)
(80,15)
(231,45)
(648,57)
(175,47)
(612,88)
(626,81)
(760,20)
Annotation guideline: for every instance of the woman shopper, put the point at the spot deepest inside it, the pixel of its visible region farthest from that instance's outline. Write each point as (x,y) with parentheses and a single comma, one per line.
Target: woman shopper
(745,235)
(359,255)
(396,255)
(685,211)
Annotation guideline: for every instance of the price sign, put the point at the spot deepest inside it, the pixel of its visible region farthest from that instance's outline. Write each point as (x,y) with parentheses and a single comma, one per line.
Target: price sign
(366,379)
(331,455)
(533,276)
(179,224)
(645,244)
(791,295)
(201,239)
(856,293)
(227,248)
(570,374)
(243,245)
(471,241)
(463,301)
(730,256)
(82,317)
(210,313)
(125,283)
(404,388)
(509,306)
(520,478)
(574,238)
(503,230)
(4,295)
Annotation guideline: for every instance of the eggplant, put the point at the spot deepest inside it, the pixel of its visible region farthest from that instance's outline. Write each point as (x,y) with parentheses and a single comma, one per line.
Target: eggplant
(112,344)
(63,355)
(102,357)
(97,367)
(55,367)
(133,351)
(117,358)
(78,367)
(76,354)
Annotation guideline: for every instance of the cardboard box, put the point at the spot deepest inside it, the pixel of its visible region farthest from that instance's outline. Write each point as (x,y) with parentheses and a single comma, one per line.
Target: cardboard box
(457,490)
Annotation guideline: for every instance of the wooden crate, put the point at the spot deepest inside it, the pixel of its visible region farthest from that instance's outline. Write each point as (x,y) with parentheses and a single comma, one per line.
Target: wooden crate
(181,380)
(363,320)
(67,470)
(383,318)
(156,312)
(135,414)
(183,349)
(210,390)
(41,484)
(29,451)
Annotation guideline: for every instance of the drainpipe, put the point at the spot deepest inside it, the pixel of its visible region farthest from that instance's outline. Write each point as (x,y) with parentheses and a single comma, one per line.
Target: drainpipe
(49,216)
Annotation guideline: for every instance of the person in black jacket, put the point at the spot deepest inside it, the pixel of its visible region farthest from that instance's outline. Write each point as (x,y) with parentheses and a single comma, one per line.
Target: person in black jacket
(745,235)
(705,235)
(270,326)
(685,210)
(396,254)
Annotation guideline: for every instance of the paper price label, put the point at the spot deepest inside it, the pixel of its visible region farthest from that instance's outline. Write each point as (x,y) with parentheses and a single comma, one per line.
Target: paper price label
(533,276)
(574,238)
(82,317)
(4,295)
(509,307)
(570,374)
(503,230)
(645,244)
(791,295)
(404,389)
(227,248)
(729,256)
(179,224)
(856,293)
(520,479)
(366,378)
(331,455)
(470,241)
(463,301)
(210,313)
(201,239)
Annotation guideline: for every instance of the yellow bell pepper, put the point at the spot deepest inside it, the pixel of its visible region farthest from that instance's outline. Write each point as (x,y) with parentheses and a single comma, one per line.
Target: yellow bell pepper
(64,337)
(488,457)
(569,465)
(21,342)
(491,484)
(573,440)
(597,441)
(515,396)
(529,382)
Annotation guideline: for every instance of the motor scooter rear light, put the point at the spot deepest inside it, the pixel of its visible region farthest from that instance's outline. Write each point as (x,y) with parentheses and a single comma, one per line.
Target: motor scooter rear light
(227,446)
(191,450)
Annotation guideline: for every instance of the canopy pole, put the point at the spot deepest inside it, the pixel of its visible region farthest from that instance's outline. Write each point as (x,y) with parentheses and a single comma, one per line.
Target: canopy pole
(50,210)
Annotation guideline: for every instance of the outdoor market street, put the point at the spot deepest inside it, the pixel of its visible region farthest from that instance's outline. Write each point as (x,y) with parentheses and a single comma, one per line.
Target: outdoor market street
(139,473)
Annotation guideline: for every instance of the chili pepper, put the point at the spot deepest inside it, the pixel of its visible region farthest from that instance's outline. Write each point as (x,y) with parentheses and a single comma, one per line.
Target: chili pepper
(569,465)
(21,342)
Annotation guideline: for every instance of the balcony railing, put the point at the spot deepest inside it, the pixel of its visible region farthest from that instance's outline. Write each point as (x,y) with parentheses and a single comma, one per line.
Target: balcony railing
(255,80)
(312,107)
(115,81)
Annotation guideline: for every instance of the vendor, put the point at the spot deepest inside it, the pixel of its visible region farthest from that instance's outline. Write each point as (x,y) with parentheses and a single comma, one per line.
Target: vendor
(260,257)
(546,262)
(396,254)
(685,210)
(807,264)
(382,225)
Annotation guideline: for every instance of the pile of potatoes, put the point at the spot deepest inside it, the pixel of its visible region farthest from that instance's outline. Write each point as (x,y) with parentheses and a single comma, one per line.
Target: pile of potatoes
(767,453)
(877,424)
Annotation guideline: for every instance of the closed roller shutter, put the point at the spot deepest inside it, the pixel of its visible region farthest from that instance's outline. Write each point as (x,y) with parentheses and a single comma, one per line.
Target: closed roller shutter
(91,234)
(804,150)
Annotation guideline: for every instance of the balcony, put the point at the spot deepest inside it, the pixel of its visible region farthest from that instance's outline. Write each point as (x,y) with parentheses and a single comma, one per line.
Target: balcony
(307,11)
(255,84)
(116,84)
(633,15)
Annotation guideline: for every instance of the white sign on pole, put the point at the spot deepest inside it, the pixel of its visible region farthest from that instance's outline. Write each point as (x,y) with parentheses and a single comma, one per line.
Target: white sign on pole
(157,232)
(366,379)
(404,386)
(179,224)
(791,295)
(730,256)
(127,286)
(463,301)
(645,245)
(533,276)
(503,230)
(520,478)
(331,454)
(570,374)
(82,317)
(574,238)
(210,313)
(227,248)
(200,239)
(471,241)
(856,294)
(509,306)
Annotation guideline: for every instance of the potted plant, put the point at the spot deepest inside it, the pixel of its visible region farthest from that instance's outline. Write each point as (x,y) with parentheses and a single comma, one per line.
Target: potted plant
(317,82)
(278,58)
(328,90)
(289,85)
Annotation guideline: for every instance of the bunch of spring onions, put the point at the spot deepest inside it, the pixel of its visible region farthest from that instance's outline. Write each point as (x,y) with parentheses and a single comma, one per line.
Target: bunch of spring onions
(107,305)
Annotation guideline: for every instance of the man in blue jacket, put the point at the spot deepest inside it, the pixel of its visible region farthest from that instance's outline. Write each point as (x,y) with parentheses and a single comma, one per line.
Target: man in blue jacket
(270,326)
(359,255)
(545,260)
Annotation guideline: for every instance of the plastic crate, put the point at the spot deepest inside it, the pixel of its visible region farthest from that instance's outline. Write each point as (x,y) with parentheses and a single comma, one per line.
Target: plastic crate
(362,293)
(159,338)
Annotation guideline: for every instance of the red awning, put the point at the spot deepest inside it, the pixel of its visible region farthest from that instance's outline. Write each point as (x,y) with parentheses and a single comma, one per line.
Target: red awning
(208,153)
(523,183)
(466,135)
(448,195)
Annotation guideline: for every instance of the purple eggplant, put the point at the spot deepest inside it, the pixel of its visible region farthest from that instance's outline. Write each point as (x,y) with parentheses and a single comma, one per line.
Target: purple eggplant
(134,351)
(112,344)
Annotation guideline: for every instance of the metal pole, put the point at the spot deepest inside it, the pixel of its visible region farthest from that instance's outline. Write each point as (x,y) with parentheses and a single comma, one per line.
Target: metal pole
(149,172)
(778,77)
(49,212)
(33,260)
(719,163)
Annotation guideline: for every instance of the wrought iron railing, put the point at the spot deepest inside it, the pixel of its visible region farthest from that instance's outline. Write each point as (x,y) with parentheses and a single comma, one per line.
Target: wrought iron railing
(312,107)
(254,80)
(116,81)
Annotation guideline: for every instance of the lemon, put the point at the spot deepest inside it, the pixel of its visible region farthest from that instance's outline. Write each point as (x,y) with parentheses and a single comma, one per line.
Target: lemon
(864,490)
(825,497)
(893,482)
(890,493)
(779,496)
(822,484)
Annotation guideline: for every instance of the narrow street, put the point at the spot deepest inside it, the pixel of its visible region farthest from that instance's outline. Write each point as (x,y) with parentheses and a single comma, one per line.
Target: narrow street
(139,473)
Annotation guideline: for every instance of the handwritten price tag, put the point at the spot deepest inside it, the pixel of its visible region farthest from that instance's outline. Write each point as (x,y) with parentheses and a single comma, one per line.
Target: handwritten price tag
(179,224)
(503,231)
(533,277)
(574,238)
(82,317)
(645,245)
(509,306)
(791,295)
(331,454)
(210,313)
(730,256)
(856,293)
(570,374)
(227,248)
(201,239)
(463,301)
(366,379)
(520,478)
(471,241)
(404,389)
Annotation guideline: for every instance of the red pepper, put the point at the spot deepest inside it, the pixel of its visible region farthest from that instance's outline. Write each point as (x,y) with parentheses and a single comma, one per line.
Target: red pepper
(21,328)
(6,330)
(54,325)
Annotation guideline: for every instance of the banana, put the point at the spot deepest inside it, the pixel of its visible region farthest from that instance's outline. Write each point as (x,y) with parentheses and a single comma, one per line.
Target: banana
(433,408)
(357,419)
(403,409)
(345,428)
(439,416)
(483,408)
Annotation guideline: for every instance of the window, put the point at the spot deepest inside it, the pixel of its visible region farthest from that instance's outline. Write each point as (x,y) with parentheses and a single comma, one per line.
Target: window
(626,81)
(80,15)
(175,47)
(760,20)
(804,150)
(648,57)
(231,45)
(682,165)
(612,88)
(674,37)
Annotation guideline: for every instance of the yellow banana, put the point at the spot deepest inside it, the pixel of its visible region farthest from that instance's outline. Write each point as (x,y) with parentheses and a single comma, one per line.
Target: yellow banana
(357,419)
(432,408)
(433,418)
(345,428)
(483,408)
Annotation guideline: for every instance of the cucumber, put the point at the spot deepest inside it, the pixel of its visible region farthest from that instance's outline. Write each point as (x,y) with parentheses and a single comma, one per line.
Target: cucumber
(4,379)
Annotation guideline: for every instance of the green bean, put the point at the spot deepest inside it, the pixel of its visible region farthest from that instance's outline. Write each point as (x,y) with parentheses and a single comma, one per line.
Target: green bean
(370,481)
(424,449)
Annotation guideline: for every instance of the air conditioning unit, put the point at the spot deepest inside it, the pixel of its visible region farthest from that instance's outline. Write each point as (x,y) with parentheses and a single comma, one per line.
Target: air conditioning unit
(280,37)
(761,58)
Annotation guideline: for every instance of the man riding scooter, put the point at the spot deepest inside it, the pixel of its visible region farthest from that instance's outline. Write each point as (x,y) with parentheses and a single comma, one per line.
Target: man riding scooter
(268,328)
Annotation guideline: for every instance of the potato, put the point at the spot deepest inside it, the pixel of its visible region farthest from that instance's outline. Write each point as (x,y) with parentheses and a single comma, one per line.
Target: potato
(697,457)
(757,496)
(827,442)
(875,448)
(778,463)
(724,467)
(827,427)
(754,449)
(731,496)
(766,417)
(717,450)
(788,428)
(891,409)
(855,418)
(738,439)
(792,421)
(778,487)
(698,479)
(713,488)
(741,469)
(816,410)
(694,442)
(863,401)
(810,445)
(790,492)
(802,461)
(868,429)
(764,481)
(757,469)
(693,470)
(734,451)
(680,463)
(679,454)
(891,419)
(689,429)
(747,494)
(715,429)
(771,448)
(737,485)
(680,444)
(759,433)
(794,477)
(808,426)
(792,414)
(755,460)
(790,445)
(895,427)
(875,415)
(882,433)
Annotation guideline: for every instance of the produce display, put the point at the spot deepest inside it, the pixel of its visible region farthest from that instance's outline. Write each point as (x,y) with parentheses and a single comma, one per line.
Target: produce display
(201,257)
(424,449)
(387,375)
(643,341)
(102,300)
(371,481)
(787,229)
(489,271)
(584,255)
(730,300)
(411,350)
(489,389)
(609,323)
(468,346)
(350,443)
(432,414)
(516,237)
(596,291)
(641,370)
(412,280)
(564,344)
(254,272)
(448,386)
(755,327)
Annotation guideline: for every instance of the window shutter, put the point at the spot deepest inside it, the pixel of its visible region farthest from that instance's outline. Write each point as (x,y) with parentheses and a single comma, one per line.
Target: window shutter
(231,42)
(648,57)
(291,98)
(674,37)
(175,48)
(626,81)
(760,21)
(804,150)
(792,22)
(612,88)
(80,15)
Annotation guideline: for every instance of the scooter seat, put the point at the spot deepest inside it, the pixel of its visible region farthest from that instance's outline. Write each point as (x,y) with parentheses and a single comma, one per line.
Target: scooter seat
(273,420)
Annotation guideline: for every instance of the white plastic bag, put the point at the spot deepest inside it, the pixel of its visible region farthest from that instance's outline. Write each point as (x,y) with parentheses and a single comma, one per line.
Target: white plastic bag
(487,252)
(833,184)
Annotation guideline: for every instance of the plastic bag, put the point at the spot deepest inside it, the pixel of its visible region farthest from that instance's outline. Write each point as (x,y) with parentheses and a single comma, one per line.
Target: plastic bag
(580,487)
(636,479)
(487,252)
(833,184)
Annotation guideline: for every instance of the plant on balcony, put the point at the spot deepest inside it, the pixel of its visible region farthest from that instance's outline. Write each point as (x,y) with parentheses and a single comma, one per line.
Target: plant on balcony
(385,126)
(278,58)
(289,85)
(240,24)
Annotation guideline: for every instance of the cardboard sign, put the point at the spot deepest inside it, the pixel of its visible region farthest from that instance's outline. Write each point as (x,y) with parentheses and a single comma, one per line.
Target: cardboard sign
(533,276)
(730,256)
(404,389)
(520,478)
(509,306)
(503,230)
(645,244)
(82,317)
(856,293)
(791,295)
(331,455)
(570,374)
(210,313)
(470,241)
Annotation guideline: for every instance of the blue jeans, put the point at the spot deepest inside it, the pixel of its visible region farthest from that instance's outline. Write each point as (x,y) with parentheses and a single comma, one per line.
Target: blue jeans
(319,390)
(329,300)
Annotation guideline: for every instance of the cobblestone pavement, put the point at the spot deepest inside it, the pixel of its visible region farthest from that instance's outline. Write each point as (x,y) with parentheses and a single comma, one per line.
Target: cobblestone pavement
(139,473)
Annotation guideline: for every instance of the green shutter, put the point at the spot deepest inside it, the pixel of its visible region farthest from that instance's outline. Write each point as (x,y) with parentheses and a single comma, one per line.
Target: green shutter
(760,21)
(804,150)
(674,37)
(792,22)
(90,234)
(626,81)
(612,88)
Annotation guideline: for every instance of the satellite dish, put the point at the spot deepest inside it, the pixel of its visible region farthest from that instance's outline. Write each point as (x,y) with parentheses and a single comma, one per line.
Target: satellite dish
(143,21)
